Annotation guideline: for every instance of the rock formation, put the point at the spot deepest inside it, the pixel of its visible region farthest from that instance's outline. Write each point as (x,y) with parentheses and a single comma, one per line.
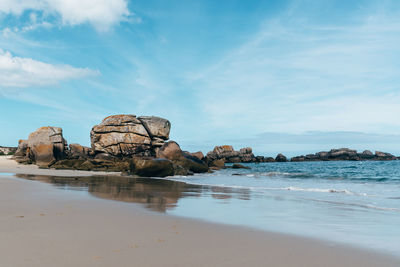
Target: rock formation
(120,143)
(184,162)
(281,158)
(228,155)
(127,135)
(44,147)
(344,154)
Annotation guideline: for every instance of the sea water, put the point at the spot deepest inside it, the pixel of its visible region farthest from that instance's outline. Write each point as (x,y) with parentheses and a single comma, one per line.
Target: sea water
(346,201)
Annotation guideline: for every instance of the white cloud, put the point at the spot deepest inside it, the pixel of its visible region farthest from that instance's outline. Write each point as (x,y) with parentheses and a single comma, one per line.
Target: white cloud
(102,14)
(26,72)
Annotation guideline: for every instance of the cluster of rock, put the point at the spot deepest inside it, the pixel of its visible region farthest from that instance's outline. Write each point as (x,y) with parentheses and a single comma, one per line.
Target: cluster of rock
(121,143)
(345,154)
(4,150)
(226,154)
(140,146)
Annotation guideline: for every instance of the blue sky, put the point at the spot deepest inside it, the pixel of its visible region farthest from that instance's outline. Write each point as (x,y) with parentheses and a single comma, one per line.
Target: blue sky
(247,73)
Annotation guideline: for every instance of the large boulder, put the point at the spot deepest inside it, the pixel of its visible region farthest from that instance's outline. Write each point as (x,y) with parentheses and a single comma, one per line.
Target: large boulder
(281,158)
(150,167)
(22,149)
(172,151)
(44,146)
(127,135)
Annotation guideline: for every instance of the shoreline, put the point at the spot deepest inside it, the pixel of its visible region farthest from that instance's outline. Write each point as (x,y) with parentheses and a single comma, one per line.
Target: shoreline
(50,226)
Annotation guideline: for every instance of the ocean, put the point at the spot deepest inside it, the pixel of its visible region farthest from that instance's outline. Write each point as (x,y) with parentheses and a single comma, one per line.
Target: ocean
(352,202)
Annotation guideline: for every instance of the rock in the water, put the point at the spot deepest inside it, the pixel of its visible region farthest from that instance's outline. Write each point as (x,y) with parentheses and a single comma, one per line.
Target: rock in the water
(198,155)
(217,164)
(269,159)
(150,167)
(230,155)
(281,158)
(384,156)
(127,135)
(345,154)
(239,166)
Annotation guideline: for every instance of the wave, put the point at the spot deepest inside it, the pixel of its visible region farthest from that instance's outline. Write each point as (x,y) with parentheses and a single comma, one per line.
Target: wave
(304,175)
(323,190)
(365,206)
(289,188)
(277,174)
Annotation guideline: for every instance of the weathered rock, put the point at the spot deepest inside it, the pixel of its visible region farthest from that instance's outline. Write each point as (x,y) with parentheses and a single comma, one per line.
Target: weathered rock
(281,158)
(156,127)
(78,151)
(43,154)
(239,166)
(269,159)
(44,147)
(384,156)
(172,151)
(104,156)
(198,155)
(151,167)
(192,163)
(127,135)
(345,154)
(218,163)
(22,149)
(230,155)
(114,165)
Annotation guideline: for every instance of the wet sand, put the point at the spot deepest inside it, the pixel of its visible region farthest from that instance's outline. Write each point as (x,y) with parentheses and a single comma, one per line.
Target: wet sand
(7,165)
(41,225)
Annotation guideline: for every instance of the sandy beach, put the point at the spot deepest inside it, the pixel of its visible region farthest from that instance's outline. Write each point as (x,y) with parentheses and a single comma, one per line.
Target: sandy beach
(44,226)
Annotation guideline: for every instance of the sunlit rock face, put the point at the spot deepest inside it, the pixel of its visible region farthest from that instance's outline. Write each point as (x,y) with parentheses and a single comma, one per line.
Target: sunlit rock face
(44,146)
(127,135)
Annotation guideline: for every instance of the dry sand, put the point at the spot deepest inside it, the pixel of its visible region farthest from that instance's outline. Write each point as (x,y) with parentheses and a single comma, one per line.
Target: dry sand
(41,225)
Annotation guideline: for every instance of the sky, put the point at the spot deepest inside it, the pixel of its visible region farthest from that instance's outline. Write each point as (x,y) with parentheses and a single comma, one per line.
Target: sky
(291,76)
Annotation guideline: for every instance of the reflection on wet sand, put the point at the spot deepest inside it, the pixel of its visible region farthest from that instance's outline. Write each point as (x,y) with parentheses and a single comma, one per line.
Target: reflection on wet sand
(155,194)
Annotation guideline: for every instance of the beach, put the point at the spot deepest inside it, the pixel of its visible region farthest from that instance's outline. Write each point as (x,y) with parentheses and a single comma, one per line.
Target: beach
(45,226)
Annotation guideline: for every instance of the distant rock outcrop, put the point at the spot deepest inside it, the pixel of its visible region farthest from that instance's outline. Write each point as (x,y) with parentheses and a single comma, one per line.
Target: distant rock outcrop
(4,150)
(344,154)
(227,154)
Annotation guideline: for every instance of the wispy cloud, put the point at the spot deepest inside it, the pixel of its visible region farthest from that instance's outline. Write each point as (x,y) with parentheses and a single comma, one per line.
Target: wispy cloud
(297,75)
(102,14)
(27,72)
